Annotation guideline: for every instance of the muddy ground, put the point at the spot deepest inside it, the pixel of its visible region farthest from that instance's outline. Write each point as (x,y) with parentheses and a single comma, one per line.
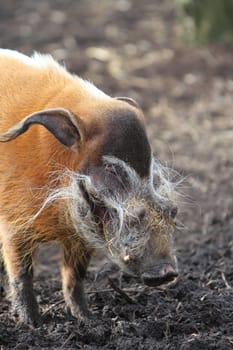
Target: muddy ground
(129,48)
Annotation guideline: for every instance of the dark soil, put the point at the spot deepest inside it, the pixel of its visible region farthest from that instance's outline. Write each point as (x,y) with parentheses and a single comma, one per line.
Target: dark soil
(128,48)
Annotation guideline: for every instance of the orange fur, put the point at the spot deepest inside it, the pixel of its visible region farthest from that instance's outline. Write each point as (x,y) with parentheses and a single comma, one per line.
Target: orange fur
(30,162)
(33,161)
(34,164)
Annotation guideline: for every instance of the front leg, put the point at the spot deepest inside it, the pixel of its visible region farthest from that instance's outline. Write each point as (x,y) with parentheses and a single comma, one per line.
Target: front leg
(18,263)
(75,263)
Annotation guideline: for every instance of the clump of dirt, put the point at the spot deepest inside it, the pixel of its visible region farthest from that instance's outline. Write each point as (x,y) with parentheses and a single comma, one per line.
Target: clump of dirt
(128,48)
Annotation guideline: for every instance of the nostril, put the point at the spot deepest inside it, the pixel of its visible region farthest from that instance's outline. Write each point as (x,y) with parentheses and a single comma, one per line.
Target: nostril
(168,270)
(166,274)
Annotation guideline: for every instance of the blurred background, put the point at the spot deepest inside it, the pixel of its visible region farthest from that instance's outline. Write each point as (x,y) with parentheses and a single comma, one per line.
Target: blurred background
(176,59)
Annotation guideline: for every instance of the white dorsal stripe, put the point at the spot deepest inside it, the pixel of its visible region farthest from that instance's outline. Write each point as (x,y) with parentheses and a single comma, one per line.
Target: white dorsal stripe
(43,61)
(37,60)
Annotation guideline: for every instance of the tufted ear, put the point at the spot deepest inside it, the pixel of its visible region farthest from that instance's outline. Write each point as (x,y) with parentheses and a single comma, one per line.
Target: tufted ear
(62,123)
(129,100)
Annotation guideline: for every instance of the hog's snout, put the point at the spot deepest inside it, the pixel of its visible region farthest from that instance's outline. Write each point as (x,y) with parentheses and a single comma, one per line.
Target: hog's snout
(166,273)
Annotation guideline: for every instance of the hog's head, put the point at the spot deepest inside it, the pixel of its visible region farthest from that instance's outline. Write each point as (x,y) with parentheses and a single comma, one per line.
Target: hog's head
(133,218)
(121,199)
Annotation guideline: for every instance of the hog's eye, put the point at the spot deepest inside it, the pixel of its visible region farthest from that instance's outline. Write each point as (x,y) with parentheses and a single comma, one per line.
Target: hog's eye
(110,169)
(141,214)
(116,170)
(116,176)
